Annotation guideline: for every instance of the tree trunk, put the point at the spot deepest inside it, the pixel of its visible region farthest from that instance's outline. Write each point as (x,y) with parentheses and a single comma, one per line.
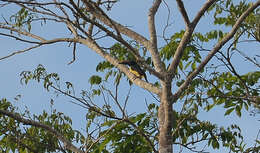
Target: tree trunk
(165,120)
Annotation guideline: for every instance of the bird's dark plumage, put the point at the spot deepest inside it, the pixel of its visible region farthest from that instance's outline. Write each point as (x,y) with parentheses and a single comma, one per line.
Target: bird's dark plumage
(135,69)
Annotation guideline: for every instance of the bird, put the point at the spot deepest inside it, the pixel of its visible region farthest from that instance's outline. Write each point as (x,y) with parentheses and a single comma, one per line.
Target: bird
(135,69)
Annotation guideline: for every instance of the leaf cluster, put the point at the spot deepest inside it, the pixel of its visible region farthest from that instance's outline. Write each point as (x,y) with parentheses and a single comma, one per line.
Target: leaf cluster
(15,136)
(23,18)
(231,91)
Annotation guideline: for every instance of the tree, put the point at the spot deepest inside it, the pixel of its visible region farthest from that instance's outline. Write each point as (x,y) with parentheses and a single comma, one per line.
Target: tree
(182,67)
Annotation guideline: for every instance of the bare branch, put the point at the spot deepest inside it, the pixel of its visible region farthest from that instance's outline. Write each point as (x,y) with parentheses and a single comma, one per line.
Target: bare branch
(20,39)
(67,144)
(20,51)
(23,32)
(117,38)
(38,45)
(70,26)
(91,26)
(153,37)
(112,24)
(85,104)
(74,53)
(167,23)
(62,9)
(248,58)
(115,99)
(34,3)
(126,99)
(217,47)
(201,12)
(74,26)
(183,12)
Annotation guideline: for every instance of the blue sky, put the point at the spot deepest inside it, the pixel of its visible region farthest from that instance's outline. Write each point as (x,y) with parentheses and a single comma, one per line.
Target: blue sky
(56,57)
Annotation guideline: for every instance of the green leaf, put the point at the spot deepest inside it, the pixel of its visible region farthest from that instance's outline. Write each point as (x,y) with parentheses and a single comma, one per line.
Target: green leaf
(188,64)
(193,66)
(238,110)
(229,104)
(215,144)
(96,92)
(103,65)
(69,85)
(95,80)
(229,111)
(209,107)
(246,106)
(181,65)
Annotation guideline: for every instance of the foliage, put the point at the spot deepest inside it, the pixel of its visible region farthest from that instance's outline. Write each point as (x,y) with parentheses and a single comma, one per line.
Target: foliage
(115,135)
(109,130)
(23,18)
(15,136)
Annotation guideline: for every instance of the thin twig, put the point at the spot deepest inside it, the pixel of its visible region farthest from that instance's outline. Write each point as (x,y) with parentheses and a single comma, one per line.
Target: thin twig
(167,22)
(74,53)
(101,136)
(38,45)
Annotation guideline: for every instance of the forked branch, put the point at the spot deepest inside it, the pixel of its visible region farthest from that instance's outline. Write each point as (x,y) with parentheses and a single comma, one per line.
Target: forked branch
(217,47)
(187,35)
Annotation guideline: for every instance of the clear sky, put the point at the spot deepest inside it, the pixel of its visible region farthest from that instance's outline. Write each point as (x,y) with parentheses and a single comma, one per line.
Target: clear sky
(56,57)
